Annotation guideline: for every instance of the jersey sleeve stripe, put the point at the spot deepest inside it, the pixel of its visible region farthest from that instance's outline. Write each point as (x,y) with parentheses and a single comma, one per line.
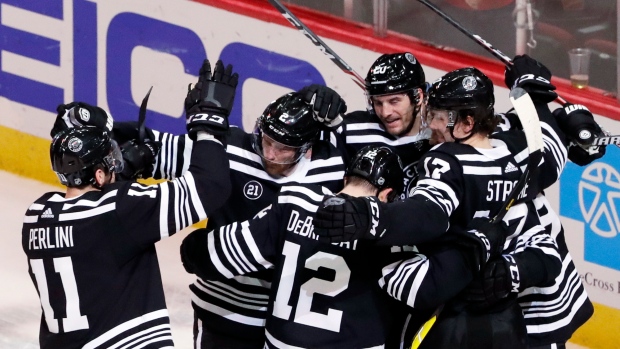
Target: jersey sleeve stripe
(243,259)
(89,203)
(215,259)
(163,211)
(87,213)
(417,282)
(235,250)
(193,193)
(125,327)
(282,199)
(161,332)
(249,240)
(441,186)
(254,298)
(252,321)
(227,248)
(309,193)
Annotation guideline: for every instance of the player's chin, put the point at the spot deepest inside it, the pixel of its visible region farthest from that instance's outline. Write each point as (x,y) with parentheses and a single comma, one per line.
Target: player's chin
(275,170)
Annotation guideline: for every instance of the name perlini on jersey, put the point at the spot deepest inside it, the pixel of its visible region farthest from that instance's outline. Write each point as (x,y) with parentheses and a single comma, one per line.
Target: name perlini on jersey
(42,238)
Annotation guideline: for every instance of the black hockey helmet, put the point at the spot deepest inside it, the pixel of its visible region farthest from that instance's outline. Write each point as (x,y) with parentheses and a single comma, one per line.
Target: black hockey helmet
(394,73)
(289,121)
(463,92)
(465,88)
(75,152)
(380,166)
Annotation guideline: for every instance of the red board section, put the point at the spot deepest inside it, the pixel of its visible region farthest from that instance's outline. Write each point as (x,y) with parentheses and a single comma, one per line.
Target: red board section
(361,35)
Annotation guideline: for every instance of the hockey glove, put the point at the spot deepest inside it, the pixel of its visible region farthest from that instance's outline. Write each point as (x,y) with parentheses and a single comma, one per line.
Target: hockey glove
(139,159)
(194,251)
(490,237)
(532,76)
(327,103)
(346,218)
(498,282)
(578,125)
(79,114)
(209,102)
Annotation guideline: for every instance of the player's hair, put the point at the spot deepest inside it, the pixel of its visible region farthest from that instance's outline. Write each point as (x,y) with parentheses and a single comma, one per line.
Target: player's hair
(77,153)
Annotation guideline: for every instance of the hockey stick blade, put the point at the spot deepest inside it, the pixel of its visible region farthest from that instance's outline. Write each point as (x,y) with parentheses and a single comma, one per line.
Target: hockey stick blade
(142,117)
(526,111)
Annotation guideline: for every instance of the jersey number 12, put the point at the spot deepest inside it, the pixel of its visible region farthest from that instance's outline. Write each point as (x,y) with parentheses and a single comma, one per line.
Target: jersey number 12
(303,314)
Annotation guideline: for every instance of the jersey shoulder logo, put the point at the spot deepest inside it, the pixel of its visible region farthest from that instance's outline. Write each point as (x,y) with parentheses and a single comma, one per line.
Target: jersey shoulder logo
(510,168)
(47,213)
(253,190)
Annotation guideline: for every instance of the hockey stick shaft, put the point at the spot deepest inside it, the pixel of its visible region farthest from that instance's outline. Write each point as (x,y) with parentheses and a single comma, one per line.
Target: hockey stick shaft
(286,13)
(142,117)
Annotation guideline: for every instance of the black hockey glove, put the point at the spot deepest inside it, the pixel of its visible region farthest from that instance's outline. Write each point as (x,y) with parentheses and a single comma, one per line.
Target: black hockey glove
(345,218)
(578,125)
(532,76)
(498,282)
(139,159)
(492,235)
(209,102)
(79,114)
(194,251)
(327,103)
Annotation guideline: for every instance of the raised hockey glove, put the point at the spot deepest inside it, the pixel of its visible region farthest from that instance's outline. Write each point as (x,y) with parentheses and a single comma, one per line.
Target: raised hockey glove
(345,218)
(578,124)
(498,282)
(209,102)
(79,114)
(139,159)
(194,251)
(532,76)
(326,103)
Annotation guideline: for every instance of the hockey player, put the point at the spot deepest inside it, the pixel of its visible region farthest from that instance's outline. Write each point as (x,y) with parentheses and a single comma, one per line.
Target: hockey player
(458,171)
(91,251)
(396,85)
(325,296)
(552,313)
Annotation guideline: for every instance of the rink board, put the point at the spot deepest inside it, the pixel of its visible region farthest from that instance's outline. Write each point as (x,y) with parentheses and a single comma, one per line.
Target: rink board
(110,52)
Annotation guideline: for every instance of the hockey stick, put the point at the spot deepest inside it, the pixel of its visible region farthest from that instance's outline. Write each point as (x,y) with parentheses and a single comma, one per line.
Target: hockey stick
(502,57)
(526,111)
(142,117)
(286,13)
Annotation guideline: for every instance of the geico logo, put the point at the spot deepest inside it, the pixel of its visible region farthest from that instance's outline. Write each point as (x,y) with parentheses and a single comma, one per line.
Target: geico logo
(132,58)
(599,190)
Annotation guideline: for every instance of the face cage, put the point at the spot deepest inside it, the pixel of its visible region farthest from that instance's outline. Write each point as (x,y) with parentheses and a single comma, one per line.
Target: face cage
(257,144)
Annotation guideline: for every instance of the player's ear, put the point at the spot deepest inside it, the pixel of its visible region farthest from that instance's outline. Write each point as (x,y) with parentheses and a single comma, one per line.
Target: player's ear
(383,194)
(100,177)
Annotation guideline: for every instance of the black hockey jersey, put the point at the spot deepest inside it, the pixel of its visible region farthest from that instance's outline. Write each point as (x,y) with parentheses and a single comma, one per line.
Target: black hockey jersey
(553,313)
(92,258)
(361,128)
(323,295)
(238,306)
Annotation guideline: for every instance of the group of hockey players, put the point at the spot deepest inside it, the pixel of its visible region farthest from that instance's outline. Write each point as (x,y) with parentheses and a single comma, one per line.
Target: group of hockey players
(318,235)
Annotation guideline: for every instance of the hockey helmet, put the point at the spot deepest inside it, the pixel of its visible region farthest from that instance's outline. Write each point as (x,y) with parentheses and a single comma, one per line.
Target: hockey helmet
(380,166)
(394,73)
(288,121)
(462,89)
(75,152)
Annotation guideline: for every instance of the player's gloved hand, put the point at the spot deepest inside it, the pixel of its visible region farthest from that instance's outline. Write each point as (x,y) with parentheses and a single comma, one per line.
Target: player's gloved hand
(492,235)
(79,114)
(209,102)
(345,218)
(498,282)
(139,159)
(579,126)
(327,104)
(532,76)
(194,251)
